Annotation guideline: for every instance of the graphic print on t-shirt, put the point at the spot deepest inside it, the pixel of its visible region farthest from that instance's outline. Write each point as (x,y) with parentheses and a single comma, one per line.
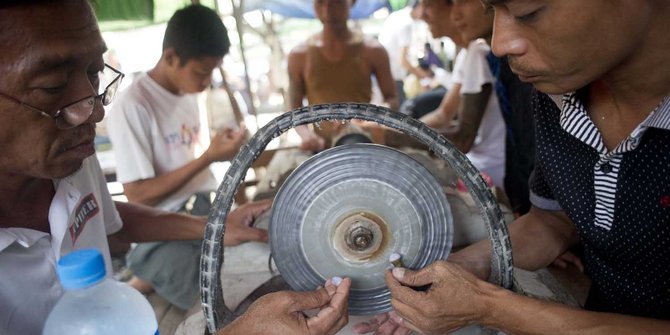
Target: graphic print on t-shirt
(185,137)
(87,208)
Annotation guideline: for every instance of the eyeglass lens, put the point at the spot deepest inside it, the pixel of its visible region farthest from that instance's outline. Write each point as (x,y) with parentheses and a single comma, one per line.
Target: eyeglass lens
(79,111)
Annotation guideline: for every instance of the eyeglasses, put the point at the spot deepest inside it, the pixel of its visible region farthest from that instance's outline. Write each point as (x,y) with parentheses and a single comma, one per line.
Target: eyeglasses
(79,111)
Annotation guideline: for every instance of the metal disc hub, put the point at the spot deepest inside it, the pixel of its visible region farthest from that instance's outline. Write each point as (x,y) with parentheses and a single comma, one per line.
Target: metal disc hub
(360,237)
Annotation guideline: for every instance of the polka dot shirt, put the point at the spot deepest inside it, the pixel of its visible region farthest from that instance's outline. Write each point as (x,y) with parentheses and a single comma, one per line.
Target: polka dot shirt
(619,201)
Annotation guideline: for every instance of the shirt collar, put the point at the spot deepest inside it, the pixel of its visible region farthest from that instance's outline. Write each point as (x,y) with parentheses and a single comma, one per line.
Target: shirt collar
(24,237)
(659,118)
(575,120)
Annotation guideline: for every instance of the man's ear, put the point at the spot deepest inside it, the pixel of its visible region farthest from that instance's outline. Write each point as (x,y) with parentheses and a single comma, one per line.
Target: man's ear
(171,58)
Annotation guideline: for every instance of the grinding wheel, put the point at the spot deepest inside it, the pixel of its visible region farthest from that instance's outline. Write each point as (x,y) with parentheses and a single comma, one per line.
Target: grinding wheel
(345,210)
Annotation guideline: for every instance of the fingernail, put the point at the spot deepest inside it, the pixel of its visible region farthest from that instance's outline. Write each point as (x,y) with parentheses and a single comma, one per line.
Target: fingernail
(396,318)
(398,273)
(396,260)
(336,281)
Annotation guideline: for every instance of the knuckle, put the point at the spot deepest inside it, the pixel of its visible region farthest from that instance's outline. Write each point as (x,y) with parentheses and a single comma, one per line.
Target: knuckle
(315,298)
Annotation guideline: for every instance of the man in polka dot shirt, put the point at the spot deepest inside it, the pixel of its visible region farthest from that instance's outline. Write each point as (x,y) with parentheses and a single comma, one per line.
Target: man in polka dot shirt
(602,178)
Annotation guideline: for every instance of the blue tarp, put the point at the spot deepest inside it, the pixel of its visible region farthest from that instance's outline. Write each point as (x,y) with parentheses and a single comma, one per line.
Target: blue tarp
(305,8)
(127,14)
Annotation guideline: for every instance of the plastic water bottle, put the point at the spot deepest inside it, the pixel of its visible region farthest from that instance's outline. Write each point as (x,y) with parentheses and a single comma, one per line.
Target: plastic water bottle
(95,305)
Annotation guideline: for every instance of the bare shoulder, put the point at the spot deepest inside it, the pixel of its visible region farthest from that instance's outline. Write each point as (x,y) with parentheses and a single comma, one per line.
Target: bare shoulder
(373,45)
(299,51)
(297,59)
(374,51)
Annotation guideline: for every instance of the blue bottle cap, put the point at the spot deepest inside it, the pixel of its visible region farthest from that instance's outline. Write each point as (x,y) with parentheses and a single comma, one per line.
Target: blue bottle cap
(81,269)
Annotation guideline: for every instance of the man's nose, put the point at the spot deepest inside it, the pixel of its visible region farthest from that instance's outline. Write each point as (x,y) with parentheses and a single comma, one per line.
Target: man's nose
(507,39)
(98,113)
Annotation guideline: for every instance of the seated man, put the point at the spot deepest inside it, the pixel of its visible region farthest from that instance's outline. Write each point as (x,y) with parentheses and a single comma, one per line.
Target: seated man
(54,197)
(155,129)
(514,100)
(434,13)
(480,128)
(336,65)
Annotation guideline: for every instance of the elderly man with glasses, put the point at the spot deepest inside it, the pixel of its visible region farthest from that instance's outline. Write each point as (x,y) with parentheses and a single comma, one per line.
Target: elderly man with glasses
(53,198)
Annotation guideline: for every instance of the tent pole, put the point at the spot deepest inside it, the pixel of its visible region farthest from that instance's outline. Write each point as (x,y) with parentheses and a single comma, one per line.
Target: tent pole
(238,14)
(239,118)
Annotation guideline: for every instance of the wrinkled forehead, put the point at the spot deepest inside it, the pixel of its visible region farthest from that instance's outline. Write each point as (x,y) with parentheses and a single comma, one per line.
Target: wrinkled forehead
(41,36)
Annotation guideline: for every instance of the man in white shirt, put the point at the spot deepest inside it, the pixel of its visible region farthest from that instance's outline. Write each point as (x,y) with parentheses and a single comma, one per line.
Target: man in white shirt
(53,196)
(480,131)
(396,37)
(155,130)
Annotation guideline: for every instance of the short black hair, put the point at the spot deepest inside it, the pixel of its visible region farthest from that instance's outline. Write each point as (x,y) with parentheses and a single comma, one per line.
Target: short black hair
(196,31)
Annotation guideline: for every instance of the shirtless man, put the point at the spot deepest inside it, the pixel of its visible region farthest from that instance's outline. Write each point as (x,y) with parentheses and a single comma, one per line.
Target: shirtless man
(336,65)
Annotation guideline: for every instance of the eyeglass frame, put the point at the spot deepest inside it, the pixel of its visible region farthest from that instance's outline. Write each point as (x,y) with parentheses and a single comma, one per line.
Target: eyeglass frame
(61,111)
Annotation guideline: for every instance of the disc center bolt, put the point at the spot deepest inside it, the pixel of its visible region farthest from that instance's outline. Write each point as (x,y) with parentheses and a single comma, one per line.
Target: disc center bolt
(359,238)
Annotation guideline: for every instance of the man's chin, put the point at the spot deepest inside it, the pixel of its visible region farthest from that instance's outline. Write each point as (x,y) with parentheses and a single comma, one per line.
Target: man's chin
(551,88)
(68,170)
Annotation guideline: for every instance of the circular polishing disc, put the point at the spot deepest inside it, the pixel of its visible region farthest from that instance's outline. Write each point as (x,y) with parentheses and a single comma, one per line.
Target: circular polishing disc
(344,211)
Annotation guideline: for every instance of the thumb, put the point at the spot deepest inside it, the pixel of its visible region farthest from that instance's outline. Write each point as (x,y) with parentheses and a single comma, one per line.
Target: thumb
(309,300)
(412,278)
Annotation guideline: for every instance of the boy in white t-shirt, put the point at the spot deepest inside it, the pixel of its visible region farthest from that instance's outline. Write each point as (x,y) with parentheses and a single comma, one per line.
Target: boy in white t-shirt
(155,129)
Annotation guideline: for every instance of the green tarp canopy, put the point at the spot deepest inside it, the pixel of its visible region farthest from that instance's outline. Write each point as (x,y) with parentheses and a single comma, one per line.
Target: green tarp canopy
(127,14)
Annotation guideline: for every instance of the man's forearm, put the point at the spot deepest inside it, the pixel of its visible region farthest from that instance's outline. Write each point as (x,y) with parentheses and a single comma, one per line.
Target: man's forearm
(146,224)
(461,136)
(537,238)
(154,190)
(441,118)
(435,120)
(470,114)
(516,314)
